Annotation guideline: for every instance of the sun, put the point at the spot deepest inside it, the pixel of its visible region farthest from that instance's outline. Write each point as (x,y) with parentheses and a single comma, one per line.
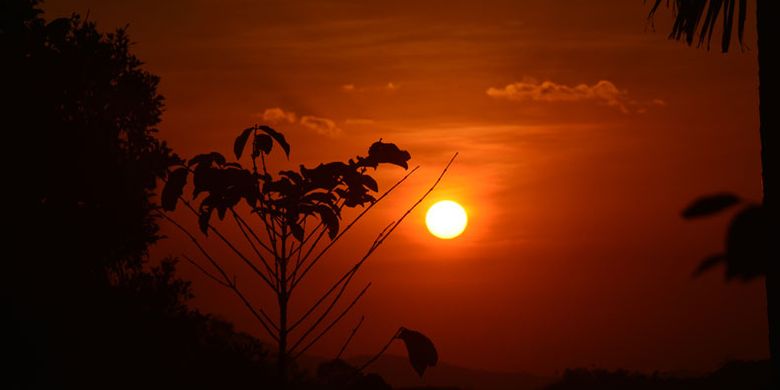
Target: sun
(446,219)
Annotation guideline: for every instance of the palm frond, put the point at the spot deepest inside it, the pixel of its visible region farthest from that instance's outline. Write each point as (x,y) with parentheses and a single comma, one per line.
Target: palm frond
(696,19)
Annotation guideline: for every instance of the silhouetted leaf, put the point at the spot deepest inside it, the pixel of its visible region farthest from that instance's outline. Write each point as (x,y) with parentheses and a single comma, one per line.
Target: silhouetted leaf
(369,182)
(240,143)
(708,263)
(173,189)
(279,137)
(203,219)
(691,14)
(207,159)
(297,231)
(329,218)
(710,204)
(381,152)
(422,352)
(748,244)
(262,143)
(295,177)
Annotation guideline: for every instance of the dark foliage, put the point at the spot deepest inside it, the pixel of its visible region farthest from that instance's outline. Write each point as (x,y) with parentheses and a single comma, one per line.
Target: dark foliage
(748,238)
(699,17)
(743,375)
(709,204)
(292,196)
(422,353)
(85,308)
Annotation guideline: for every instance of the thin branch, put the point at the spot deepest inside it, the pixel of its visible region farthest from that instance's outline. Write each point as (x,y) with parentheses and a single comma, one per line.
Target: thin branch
(259,312)
(347,277)
(249,228)
(306,239)
(230,245)
(205,272)
(325,312)
(346,229)
(351,335)
(259,315)
(254,248)
(335,299)
(381,352)
(302,260)
(330,326)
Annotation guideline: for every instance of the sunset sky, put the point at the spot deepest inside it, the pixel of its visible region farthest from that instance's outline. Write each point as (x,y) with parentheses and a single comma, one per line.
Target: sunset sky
(582,133)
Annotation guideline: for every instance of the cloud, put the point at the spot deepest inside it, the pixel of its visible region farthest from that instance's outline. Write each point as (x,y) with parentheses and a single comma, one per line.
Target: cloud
(352,88)
(604,92)
(322,126)
(276,115)
(359,121)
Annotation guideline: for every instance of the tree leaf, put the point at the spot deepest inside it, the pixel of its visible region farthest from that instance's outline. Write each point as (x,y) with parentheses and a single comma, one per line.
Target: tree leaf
(708,263)
(204,217)
(709,204)
(207,159)
(297,231)
(240,143)
(369,182)
(422,353)
(279,137)
(173,189)
(329,218)
(381,152)
(262,143)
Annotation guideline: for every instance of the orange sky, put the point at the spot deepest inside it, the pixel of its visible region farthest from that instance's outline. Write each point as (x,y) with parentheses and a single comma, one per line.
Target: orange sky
(581,133)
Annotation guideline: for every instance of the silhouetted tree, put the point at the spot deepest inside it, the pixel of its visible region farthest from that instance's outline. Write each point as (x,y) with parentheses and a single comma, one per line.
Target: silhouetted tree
(695,21)
(85,309)
(283,219)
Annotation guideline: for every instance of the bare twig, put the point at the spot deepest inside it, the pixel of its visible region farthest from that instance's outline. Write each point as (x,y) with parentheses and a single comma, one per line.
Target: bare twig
(205,272)
(254,248)
(231,246)
(381,352)
(249,228)
(330,326)
(351,335)
(346,229)
(260,315)
(347,277)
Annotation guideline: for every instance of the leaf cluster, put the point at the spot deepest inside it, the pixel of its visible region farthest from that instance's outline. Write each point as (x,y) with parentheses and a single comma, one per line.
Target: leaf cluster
(288,198)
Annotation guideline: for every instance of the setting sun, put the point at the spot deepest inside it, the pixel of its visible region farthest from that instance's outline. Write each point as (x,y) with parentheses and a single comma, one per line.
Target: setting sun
(446,219)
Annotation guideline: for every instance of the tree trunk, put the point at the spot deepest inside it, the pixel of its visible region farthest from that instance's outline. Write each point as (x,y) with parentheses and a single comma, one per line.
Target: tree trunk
(769,113)
(283,300)
(282,358)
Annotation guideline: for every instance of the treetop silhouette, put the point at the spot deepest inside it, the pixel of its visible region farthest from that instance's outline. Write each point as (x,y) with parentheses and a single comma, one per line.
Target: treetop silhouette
(284,219)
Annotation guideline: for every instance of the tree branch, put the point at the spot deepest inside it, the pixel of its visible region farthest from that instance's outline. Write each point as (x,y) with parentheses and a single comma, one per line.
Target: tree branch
(351,335)
(381,352)
(230,284)
(330,326)
(347,277)
(230,245)
(257,252)
(346,229)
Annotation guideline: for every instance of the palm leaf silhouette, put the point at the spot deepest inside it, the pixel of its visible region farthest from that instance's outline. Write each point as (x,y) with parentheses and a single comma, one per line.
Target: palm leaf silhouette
(696,20)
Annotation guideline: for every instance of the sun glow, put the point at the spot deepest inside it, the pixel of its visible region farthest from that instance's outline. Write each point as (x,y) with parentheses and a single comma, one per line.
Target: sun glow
(446,219)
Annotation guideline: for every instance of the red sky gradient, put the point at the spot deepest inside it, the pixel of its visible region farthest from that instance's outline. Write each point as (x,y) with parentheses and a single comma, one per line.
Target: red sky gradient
(581,131)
